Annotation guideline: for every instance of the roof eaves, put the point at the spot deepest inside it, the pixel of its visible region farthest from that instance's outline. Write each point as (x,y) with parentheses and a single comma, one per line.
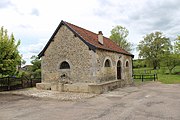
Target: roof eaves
(117,52)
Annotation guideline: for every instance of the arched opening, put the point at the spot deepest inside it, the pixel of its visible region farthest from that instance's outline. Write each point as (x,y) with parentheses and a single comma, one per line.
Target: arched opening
(119,69)
(107,63)
(127,64)
(64,65)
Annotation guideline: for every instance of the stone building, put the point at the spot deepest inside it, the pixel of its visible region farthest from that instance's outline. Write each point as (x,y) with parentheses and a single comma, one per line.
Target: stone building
(78,60)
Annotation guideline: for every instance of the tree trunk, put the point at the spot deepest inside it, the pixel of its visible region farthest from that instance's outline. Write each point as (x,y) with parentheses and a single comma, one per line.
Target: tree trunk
(170,71)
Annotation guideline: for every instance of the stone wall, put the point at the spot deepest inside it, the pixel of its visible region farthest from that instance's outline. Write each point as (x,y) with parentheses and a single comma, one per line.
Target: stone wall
(110,73)
(67,47)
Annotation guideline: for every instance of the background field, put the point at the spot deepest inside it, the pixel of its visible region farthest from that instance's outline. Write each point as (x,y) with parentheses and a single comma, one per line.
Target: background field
(162,73)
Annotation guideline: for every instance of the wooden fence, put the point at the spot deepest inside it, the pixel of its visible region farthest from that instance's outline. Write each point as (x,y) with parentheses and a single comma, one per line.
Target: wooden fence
(12,83)
(146,77)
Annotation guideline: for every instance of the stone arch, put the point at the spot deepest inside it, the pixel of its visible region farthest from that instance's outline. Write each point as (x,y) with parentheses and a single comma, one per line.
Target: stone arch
(64,69)
(127,63)
(107,62)
(64,65)
(61,61)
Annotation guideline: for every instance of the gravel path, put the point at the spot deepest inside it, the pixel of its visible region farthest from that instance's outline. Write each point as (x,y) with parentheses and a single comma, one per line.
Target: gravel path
(65,96)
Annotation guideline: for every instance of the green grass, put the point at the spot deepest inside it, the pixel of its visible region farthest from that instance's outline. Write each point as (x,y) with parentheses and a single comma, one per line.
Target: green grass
(163,75)
(169,79)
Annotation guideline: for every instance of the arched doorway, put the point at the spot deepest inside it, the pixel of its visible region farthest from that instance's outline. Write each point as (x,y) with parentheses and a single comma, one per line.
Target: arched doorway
(119,69)
(64,72)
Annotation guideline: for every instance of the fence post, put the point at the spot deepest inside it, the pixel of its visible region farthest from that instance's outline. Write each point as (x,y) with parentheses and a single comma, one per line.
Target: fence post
(22,82)
(31,82)
(142,78)
(8,83)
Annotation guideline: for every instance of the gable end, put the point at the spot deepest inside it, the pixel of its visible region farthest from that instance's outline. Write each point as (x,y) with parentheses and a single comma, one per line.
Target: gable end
(91,47)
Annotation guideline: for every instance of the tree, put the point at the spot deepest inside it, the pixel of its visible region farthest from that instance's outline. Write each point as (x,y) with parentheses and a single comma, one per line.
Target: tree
(153,47)
(177,45)
(119,35)
(139,63)
(36,67)
(172,59)
(10,58)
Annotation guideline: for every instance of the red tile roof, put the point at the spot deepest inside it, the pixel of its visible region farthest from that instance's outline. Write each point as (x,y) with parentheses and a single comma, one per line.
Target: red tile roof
(89,38)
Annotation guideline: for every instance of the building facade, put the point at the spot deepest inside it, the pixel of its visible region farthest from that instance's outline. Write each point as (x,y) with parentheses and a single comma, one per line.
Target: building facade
(78,60)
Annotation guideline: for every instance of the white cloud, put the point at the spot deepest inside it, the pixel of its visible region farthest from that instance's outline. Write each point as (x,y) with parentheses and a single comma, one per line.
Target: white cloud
(30,50)
(34,21)
(5,4)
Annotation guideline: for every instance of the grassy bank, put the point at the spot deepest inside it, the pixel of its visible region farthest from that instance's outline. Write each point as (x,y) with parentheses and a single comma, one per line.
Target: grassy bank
(163,74)
(169,79)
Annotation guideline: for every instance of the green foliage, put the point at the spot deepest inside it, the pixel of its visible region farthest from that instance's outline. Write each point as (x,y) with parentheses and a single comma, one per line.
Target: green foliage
(163,70)
(144,71)
(153,47)
(119,35)
(9,54)
(36,67)
(171,61)
(177,45)
(139,63)
(172,58)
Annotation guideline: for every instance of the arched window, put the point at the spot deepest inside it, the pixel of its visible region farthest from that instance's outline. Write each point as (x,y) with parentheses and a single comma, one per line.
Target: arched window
(64,65)
(107,63)
(127,64)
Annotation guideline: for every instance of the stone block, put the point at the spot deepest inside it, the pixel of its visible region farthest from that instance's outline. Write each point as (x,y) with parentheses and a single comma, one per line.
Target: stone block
(96,89)
(43,86)
(104,87)
(54,87)
(76,87)
(57,87)
(60,87)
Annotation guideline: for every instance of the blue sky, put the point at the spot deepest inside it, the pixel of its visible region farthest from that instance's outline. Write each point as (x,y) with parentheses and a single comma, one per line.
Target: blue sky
(34,21)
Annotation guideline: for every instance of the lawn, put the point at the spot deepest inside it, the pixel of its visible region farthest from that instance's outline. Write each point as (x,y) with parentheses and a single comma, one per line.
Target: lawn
(169,79)
(163,75)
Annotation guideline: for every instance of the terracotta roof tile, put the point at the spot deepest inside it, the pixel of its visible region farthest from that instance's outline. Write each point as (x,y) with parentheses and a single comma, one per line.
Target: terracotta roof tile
(92,38)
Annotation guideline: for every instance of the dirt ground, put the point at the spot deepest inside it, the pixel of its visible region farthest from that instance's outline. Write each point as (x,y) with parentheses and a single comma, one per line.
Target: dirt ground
(152,101)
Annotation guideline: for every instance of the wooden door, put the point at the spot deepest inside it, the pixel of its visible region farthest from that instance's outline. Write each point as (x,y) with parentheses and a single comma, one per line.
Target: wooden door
(119,70)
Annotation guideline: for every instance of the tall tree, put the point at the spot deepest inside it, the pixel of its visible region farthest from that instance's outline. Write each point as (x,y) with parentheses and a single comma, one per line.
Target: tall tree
(36,67)
(9,54)
(152,48)
(171,60)
(119,35)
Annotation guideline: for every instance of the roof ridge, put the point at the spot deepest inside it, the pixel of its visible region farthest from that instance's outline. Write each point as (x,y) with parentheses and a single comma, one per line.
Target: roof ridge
(81,27)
